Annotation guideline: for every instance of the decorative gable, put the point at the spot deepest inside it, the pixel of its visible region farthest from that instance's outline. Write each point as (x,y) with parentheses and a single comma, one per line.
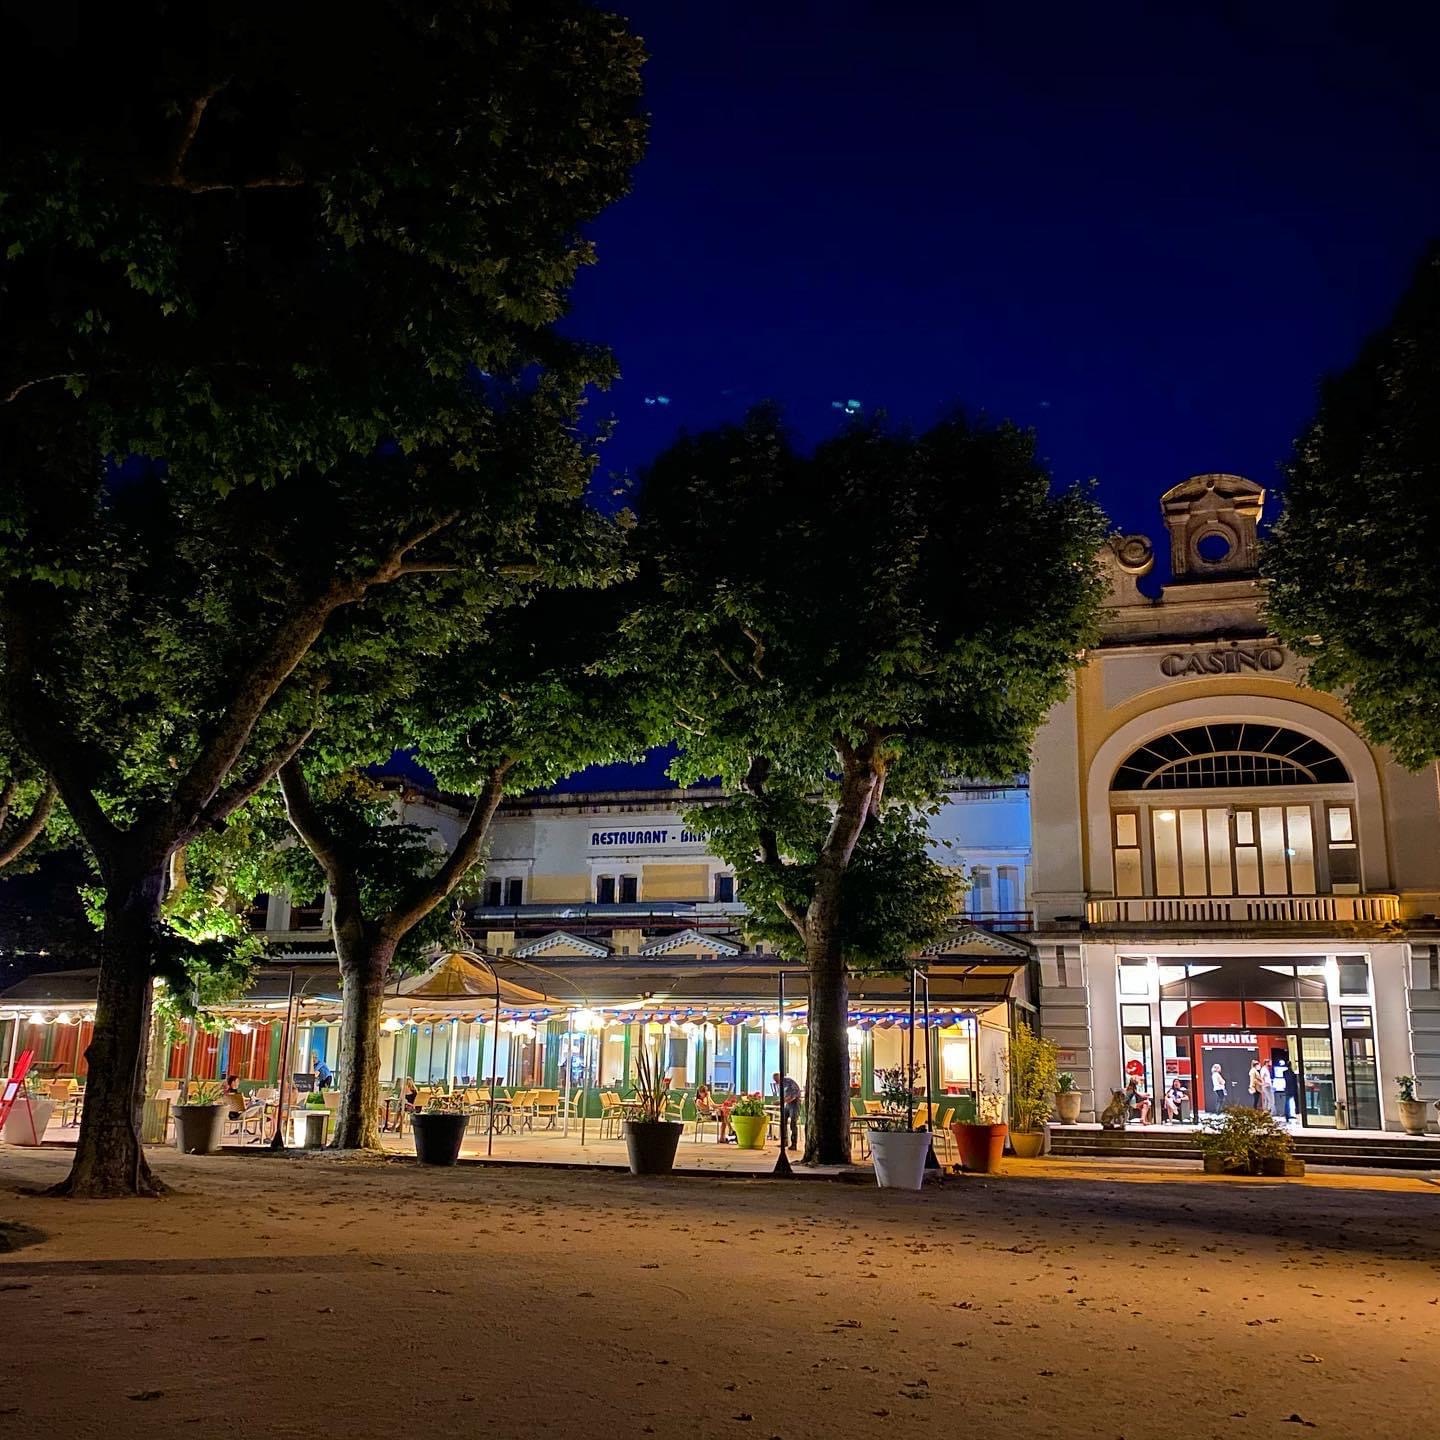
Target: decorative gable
(562,943)
(691,942)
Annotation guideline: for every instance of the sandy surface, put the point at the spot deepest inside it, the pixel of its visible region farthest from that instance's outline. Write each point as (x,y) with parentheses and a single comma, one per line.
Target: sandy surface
(316,1298)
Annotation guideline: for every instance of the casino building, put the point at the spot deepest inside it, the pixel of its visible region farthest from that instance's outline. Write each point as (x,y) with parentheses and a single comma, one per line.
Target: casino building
(1223,870)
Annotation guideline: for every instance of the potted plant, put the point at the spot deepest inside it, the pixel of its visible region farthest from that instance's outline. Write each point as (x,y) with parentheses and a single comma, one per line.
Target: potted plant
(1034,1080)
(897,1148)
(748,1120)
(650,1139)
(1412,1109)
(199,1120)
(981,1141)
(25,1124)
(438,1129)
(1068,1098)
(1244,1141)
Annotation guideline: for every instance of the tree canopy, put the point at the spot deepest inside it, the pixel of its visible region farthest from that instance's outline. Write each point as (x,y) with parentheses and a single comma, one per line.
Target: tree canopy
(842,636)
(1354,584)
(280,391)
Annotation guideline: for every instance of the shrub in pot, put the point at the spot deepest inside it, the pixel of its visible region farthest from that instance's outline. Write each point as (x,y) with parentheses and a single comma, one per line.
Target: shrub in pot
(897,1148)
(1411,1107)
(748,1121)
(199,1121)
(1034,1079)
(651,1140)
(1244,1141)
(439,1130)
(1068,1098)
(981,1142)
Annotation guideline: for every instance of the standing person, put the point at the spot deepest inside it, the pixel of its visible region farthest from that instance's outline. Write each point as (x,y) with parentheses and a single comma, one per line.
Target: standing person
(1217,1085)
(323,1074)
(1255,1086)
(1267,1088)
(1282,1077)
(789,1107)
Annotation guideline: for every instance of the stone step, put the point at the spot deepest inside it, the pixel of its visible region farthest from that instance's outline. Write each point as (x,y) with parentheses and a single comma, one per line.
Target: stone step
(1363,1151)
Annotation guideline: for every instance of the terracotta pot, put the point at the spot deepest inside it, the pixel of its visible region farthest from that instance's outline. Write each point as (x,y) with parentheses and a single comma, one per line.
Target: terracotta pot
(1067,1105)
(1027,1144)
(980,1146)
(899,1157)
(651,1145)
(438,1136)
(749,1131)
(1412,1116)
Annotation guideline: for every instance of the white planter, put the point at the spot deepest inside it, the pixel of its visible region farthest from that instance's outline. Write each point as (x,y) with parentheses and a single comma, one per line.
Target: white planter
(899,1157)
(18,1129)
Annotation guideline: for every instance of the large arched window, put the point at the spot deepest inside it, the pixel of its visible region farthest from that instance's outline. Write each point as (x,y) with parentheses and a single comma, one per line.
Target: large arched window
(1275,817)
(1218,756)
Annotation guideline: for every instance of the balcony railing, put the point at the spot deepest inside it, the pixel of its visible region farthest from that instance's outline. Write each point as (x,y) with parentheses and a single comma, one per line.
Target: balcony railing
(1247,910)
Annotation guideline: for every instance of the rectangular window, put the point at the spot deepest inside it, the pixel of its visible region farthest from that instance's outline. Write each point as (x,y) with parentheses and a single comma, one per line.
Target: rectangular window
(1129,875)
(259,914)
(1192,852)
(1274,872)
(724,889)
(1007,887)
(1342,852)
(309,916)
(1301,849)
(493,892)
(1354,975)
(980,893)
(1167,852)
(629,889)
(605,890)
(1134,977)
(514,890)
(1247,854)
(1217,839)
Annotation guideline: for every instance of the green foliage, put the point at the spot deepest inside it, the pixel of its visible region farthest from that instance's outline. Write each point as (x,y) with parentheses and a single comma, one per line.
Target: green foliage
(897,1090)
(896,898)
(1065,1082)
(1242,1136)
(1034,1076)
(202,1092)
(1406,1087)
(1354,586)
(908,606)
(748,1107)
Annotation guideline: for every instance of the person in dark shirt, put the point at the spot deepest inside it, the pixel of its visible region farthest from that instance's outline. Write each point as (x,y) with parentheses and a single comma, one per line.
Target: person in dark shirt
(789,1094)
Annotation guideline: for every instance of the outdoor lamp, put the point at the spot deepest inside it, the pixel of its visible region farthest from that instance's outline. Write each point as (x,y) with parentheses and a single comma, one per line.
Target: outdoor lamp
(392,1025)
(63,1018)
(36,1018)
(772,1026)
(584,1019)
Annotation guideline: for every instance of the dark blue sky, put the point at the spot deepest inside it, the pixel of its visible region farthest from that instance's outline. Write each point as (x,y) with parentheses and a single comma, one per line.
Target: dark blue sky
(1145,233)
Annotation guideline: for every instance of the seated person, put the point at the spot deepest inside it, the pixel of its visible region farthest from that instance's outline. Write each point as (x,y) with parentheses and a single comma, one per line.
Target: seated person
(1137,1101)
(1175,1098)
(708,1107)
(408,1092)
(231,1098)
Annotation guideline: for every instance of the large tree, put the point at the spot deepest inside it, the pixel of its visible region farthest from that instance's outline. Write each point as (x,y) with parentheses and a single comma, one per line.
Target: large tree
(302,270)
(1354,579)
(854,630)
(517,702)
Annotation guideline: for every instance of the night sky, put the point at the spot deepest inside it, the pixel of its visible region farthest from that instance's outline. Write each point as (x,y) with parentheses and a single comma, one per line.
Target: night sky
(1144,235)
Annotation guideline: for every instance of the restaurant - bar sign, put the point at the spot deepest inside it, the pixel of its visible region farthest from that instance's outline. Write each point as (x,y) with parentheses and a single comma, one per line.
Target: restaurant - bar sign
(1229,660)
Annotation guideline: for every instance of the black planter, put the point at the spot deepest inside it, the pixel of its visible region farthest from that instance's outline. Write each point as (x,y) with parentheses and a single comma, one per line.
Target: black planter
(438,1137)
(651,1145)
(198,1129)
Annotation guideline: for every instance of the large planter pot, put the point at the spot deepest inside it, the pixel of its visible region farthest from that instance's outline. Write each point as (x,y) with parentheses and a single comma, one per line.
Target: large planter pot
(1028,1144)
(980,1146)
(1412,1116)
(1067,1106)
(438,1136)
(651,1145)
(899,1157)
(749,1131)
(26,1125)
(198,1128)
(1284,1166)
(1219,1165)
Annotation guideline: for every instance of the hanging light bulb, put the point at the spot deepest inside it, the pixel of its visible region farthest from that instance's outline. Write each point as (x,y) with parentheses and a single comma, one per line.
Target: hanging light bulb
(772,1026)
(63,1018)
(36,1018)
(584,1019)
(392,1025)
(245,1028)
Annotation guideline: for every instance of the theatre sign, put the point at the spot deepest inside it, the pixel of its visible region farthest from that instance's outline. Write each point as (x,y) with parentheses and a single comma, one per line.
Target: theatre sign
(1222,660)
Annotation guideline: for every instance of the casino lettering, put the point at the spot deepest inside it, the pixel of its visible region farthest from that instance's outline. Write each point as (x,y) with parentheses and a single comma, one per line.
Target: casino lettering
(1229,661)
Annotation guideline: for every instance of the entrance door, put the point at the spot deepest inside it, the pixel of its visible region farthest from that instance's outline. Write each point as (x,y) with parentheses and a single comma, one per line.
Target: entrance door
(1362,1084)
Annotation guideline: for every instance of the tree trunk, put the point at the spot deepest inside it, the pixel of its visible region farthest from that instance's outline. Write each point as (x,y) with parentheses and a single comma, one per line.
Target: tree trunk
(364,964)
(109,1160)
(827,1081)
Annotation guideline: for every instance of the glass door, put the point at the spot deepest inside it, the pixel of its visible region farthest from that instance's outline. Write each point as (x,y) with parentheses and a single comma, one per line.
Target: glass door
(1317,1080)
(1362,1084)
